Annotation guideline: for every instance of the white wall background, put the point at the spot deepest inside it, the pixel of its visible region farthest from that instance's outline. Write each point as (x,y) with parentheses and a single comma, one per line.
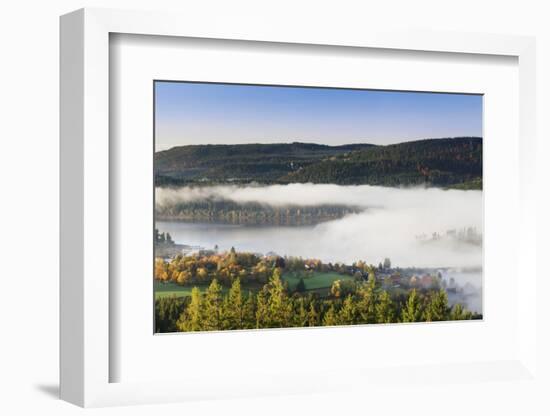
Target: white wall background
(29,114)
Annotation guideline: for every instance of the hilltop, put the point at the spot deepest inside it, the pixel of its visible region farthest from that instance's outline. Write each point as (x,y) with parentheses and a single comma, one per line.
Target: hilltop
(446,162)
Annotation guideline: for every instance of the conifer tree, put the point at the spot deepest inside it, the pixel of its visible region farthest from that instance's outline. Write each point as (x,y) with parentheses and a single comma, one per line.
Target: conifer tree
(312,316)
(412,312)
(249,312)
(192,318)
(169,239)
(330,317)
(280,309)
(300,314)
(384,309)
(367,301)
(348,313)
(301,286)
(233,312)
(458,313)
(262,310)
(212,318)
(167,313)
(437,309)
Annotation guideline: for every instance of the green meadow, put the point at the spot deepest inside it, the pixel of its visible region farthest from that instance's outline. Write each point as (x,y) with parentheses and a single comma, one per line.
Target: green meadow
(313,281)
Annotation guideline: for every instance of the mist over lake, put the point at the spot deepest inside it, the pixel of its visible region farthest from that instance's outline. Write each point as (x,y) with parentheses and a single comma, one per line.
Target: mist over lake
(396,223)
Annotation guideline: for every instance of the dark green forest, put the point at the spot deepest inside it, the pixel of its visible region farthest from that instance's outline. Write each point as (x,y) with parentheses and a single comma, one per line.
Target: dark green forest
(447,163)
(215,209)
(264,163)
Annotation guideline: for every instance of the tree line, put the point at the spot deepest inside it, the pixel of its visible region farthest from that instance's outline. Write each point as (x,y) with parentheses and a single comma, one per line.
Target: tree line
(273,307)
(226,267)
(251,213)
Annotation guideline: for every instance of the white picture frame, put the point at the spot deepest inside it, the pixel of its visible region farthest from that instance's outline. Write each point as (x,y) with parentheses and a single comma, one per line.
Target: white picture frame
(85,353)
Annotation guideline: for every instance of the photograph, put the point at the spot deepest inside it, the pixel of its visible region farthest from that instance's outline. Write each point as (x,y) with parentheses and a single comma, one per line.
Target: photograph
(282,206)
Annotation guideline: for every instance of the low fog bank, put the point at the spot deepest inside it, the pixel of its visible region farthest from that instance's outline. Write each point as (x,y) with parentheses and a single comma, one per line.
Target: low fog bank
(312,194)
(388,228)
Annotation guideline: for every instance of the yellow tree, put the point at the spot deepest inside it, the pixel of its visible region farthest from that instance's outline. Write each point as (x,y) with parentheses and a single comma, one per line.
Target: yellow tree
(202,273)
(161,270)
(184,277)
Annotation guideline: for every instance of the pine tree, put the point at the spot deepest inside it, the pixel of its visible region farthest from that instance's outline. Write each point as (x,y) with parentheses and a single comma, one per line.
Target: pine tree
(233,312)
(367,302)
(300,314)
(249,312)
(192,318)
(301,286)
(213,316)
(458,313)
(280,309)
(312,317)
(167,313)
(348,313)
(437,309)
(384,309)
(330,317)
(262,311)
(412,312)
(169,239)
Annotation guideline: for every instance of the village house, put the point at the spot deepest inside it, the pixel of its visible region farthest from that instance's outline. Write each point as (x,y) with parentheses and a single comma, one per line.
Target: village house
(426,281)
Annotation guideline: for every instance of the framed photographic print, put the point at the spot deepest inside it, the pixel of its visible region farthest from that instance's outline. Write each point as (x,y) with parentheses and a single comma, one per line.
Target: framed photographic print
(273,212)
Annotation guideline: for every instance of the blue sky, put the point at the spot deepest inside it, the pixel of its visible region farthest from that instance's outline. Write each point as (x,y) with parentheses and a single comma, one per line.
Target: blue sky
(199,113)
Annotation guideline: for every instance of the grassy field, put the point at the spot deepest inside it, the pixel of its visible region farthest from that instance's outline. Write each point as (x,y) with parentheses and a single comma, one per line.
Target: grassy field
(316,281)
(163,290)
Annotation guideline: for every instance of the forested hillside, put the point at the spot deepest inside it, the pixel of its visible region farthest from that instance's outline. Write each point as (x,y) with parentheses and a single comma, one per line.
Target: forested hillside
(451,162)
(438,162)
(264,163)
